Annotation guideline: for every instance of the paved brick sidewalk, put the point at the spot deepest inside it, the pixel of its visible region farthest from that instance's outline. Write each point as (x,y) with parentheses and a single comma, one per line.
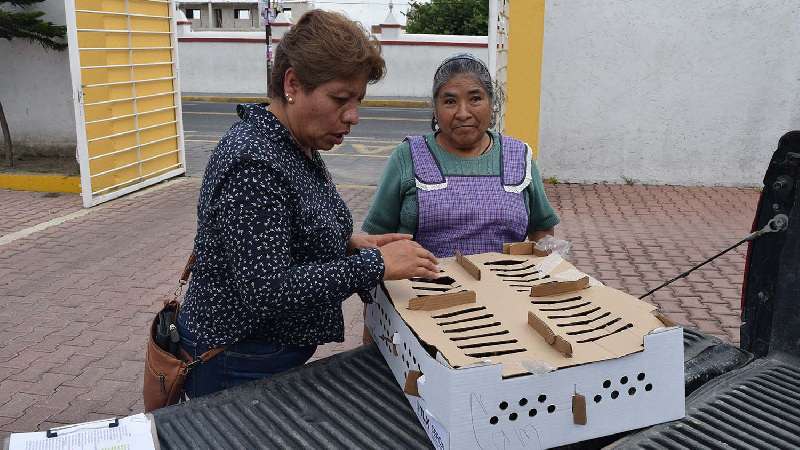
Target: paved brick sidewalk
(19,210)
(76,297)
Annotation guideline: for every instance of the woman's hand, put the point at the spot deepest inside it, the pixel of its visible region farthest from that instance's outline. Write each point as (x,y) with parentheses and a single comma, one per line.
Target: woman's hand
(374,240)
(403,259)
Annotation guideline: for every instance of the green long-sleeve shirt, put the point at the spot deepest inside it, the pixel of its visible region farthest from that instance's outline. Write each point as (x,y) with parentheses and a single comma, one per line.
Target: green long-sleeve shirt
(394,208)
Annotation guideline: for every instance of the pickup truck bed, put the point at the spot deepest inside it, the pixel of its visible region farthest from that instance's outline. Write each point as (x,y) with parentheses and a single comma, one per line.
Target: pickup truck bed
(736,398)
(349,400)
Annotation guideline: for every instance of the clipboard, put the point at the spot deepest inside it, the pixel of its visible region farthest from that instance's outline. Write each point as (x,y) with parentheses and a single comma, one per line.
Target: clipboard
(137,431)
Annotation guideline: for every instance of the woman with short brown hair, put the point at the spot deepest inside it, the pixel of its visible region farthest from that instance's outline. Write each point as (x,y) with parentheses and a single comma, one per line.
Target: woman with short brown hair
(275,251)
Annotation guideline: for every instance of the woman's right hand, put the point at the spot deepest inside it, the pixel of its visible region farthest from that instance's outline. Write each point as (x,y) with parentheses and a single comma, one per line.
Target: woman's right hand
(406,259)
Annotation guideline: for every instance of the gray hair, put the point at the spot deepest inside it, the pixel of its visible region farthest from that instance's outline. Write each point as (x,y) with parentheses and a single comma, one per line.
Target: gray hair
(465,63)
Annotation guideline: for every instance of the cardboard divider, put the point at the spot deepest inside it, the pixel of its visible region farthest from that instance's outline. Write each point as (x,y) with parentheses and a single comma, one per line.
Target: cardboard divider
(410,386)
(523,248)
(441,301)
(558,342)
(593,324)
(559,287)
(468,265)
(579,409)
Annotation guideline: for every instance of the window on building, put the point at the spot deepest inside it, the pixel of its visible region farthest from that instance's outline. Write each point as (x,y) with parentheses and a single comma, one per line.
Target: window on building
(243,14)
(192,13)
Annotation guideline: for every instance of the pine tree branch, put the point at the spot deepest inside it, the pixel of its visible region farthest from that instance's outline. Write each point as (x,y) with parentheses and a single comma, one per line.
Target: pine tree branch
(21,3)
(30,27)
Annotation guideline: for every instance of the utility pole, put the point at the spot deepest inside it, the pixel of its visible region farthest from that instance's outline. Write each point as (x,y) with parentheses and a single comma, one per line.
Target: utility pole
(268,15)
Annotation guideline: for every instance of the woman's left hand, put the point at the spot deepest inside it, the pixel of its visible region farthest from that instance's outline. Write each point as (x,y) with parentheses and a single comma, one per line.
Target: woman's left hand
(358,241)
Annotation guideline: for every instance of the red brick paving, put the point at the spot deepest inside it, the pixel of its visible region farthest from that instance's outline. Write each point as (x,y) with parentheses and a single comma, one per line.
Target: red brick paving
(20,210)
(75,299)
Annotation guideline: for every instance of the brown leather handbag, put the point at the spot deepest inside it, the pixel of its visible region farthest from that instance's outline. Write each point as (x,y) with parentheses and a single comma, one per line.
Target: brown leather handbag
(166,365)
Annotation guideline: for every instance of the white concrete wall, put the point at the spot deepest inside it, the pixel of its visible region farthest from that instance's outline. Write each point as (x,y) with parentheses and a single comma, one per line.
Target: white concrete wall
(238,67)
(671,92)
(410,68)
(35,88)
(209,66)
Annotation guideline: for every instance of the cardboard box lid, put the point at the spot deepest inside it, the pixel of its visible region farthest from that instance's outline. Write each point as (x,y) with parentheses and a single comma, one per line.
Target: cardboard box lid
(502,322)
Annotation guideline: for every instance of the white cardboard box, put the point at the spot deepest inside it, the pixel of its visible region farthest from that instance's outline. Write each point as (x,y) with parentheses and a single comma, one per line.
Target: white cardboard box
(539,405)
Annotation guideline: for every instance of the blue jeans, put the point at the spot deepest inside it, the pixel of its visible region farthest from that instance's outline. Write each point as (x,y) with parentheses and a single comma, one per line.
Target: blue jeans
(241,362)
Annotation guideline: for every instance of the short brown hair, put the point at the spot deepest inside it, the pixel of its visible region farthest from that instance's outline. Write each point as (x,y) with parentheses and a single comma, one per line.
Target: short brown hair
(325,46)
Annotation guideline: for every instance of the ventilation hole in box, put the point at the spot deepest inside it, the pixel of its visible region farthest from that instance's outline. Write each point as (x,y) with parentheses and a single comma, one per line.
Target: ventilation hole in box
(504,262)
(494,420)
(503,405)
(542,398)
(567,308)
(414,358)
(496,353)
(623,380)
(640,377)
(512,417)
(648,387)
(421,288)
(464,338)
(405,346)
(487,344)
(527,280)
(408,365)
(551,409)
(631,391)
(476,327)
(523,401)
(583,322)
(522,290)
(515,269)
(552,302)
(456,313)
(590,330)
(577,314)
(522,285)
(469,319)
(621,329)
(448,281)
(607,384)
(532,412)
(505,276)
(598,398)
(614,394)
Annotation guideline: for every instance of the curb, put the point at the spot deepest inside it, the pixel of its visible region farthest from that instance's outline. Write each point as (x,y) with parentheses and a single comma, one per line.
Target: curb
(368,102)
(40,182)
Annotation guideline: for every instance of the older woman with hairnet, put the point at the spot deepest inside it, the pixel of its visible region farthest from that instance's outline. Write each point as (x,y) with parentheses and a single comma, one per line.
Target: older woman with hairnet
(463,187)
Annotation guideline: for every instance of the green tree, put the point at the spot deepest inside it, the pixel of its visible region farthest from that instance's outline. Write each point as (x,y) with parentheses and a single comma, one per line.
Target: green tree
(465,17)
(20,22)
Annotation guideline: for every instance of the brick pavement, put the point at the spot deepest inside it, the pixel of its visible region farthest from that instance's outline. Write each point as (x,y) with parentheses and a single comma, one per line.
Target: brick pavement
(75,298)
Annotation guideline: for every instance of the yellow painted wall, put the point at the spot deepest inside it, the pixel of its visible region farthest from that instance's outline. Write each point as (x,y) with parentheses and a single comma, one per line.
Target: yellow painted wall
(523,86)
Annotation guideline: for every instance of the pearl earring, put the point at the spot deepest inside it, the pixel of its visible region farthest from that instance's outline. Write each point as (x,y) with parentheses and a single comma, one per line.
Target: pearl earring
(289,99)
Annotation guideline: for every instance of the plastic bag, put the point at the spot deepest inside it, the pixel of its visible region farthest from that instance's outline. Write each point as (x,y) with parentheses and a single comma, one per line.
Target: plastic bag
(553,245)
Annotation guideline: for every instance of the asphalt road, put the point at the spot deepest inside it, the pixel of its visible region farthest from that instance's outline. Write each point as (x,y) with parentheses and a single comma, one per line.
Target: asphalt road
(358,161)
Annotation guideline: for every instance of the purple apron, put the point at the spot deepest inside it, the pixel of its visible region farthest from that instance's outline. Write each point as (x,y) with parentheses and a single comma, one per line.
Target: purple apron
(471,214)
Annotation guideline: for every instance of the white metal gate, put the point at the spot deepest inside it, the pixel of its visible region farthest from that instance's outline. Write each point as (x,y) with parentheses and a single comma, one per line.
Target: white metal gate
(123,62)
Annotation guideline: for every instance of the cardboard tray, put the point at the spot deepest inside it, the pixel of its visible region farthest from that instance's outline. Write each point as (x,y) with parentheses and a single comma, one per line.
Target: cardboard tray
(522,351)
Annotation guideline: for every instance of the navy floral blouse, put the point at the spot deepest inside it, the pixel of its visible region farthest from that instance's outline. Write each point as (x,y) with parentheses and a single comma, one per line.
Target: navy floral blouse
(271,243)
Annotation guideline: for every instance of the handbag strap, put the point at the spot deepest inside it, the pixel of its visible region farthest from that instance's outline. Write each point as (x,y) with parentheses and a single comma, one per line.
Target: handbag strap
(208,354)
(204,358)
(187,270)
